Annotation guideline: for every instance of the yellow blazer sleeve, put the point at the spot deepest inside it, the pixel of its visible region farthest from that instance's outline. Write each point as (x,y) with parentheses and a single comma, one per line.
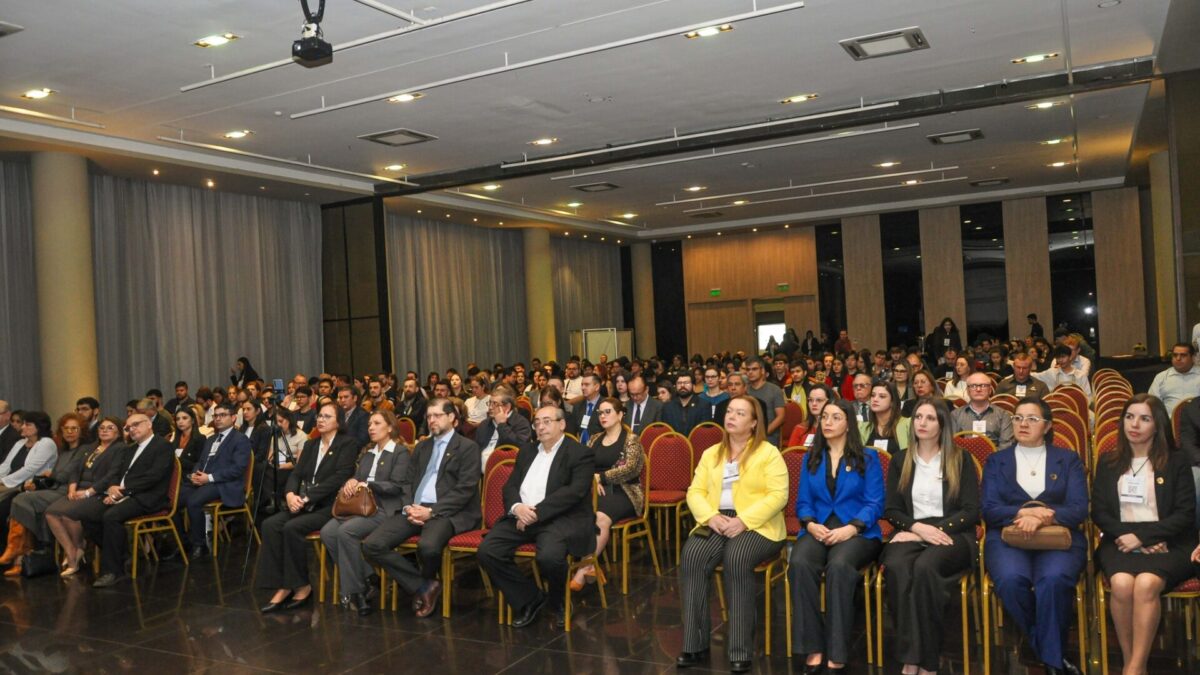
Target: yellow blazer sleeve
(767,491)
(699,501)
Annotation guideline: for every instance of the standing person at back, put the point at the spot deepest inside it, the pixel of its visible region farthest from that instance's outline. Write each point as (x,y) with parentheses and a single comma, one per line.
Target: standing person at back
(769,395)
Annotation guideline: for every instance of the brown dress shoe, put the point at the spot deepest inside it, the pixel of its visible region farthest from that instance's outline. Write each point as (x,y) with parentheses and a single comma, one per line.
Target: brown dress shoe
(429,598)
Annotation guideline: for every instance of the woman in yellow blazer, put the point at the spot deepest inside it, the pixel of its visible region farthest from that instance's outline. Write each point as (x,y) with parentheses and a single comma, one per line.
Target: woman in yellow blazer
(737,498)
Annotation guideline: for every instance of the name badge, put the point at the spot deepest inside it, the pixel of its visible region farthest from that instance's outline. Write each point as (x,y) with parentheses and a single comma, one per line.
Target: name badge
(179,452)
(1133,490)
(859,418)
(808,440)
(881,443)
(946,342)
(1021,388)
(583,423)
(979,426)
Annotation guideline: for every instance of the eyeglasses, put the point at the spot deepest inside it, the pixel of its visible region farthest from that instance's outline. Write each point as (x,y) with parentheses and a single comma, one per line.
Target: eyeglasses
(606,411)
(1180,355)
(861,385)
(1032,419)
(221,413)
(978,386)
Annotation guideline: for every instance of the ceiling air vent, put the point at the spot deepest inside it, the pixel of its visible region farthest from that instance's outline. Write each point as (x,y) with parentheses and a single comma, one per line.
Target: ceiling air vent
(595,187)
(398,137)
(989,182)
(951,137)
(708,214)
(885,44)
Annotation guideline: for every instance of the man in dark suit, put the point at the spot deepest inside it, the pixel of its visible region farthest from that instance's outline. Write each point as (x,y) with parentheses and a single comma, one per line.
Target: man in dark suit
(356,417)
(136,486)
(181,398)
(583,420)
(685,411)
(88,409)
(441,499)
(220,473)
(644,409)
(412,405)
(9,435)
(548,500)
(503,425)
(161,423)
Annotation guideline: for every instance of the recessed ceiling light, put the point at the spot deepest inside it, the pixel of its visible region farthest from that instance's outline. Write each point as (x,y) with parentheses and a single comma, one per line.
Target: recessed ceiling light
(474,220)
(718,234)
(708,31)
(1108,3)
(739,202)
(574,205)
(1054,141)
(405,98)
(1067,200)
(895,248)
(566,234)
(447,215)
(967,221)
(618,241)
(1057,165)
(978,227)
(155,172)
(595,187)
(754,229)
(887,165)
(627,216)
(37,94)
(394,167)
(786,226)
(210,183)
(491,187)
(951,137)
(694,188)
(1036,58)
(585,236)
(800,98)
(216,40)
(885,44)
(1072,218)
(1043,105)
(544,141)
(989,182)
(238,133)
(262,187)
(418,210)
(911,181)
(502,222)
(689,236)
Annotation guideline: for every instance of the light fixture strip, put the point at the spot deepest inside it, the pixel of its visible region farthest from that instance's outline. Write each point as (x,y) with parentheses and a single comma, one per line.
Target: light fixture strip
(449,18)
(714,154)
(830,194)
(49,117)
(282,160)
(702,134)
(897,174)
(562,56)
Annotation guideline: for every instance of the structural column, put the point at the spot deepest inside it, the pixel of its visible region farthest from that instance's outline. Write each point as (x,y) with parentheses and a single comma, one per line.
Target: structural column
(646,339)
(1166,297)
(1120,289)
(1027,264)
(539,294)
(62,244)
(942,269)
(865,319)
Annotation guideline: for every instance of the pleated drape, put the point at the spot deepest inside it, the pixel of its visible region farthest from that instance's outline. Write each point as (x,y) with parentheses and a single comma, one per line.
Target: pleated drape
(20,358)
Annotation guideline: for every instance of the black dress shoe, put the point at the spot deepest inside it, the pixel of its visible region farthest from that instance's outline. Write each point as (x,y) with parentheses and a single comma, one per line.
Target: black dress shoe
(689,659)
(106,581)
(559,620)
(814,668)
(530,612)
(740,666)
(297,604)
(360,604)
(372,586)
(271,607)
(1070,668)
(198,552)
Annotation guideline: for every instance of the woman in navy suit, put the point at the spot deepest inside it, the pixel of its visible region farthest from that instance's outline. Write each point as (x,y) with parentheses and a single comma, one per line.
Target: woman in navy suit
(839,504)
(1030,485)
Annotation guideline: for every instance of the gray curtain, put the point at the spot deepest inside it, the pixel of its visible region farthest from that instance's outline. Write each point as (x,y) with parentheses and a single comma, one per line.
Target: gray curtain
(587,289)
(20,358)
(457,295)
(188,280)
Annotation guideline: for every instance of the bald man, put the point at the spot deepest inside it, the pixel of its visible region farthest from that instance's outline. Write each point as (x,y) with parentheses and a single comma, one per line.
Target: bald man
(980,416)
(136,486)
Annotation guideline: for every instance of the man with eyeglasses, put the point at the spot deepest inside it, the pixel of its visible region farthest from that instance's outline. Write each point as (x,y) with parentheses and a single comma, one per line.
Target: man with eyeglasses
(861,384)
(1179,382)
(644,409)
(980,416)
(220,473)
(548,501)
(504,425)
(769,395)
(136,486)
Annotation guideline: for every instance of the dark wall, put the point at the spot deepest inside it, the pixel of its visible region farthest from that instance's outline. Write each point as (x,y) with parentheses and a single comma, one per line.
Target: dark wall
(670,318)
(354,288)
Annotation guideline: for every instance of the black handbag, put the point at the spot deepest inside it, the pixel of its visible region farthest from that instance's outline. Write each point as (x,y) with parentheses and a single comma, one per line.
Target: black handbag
(38,563)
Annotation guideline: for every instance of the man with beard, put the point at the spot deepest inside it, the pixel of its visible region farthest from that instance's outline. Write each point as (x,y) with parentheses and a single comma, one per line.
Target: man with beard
(413,405)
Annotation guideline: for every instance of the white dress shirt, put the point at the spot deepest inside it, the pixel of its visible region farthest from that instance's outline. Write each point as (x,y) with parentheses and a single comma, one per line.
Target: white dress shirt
(1174,387)
(533,488)
(378,452)
(136,454)
(1031,469)
(927,487)
(42,456)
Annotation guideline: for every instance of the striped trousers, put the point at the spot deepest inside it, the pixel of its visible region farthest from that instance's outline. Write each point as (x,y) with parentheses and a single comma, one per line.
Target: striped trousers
(739,556)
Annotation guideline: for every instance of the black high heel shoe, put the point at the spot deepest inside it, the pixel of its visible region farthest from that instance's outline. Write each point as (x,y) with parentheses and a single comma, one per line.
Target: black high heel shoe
(689,659)
(298,603)
(272,607)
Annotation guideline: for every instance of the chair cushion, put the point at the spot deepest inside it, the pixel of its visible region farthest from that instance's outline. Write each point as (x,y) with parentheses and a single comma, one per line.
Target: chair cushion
(527,548)
(470,539)
(1190,586)
(667,496)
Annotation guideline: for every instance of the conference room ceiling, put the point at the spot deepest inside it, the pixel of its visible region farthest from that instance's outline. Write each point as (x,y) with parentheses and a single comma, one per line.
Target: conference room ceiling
(122,64)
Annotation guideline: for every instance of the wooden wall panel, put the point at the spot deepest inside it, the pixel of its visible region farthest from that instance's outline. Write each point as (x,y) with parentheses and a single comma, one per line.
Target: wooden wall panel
(942,268)
(720,326)
(1027,264)
(750,265)
(864,281)
(1120,288)
(801,313)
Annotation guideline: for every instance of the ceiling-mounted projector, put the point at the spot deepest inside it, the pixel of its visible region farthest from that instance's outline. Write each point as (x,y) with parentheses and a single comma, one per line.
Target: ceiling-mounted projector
(311,50)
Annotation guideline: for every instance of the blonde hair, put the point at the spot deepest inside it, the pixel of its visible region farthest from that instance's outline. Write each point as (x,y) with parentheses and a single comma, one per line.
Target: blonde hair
(951,453)
(757,437)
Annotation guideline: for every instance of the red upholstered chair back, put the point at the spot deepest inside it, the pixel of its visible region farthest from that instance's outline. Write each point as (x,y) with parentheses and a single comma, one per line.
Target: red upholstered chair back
(1005,402)
(1177,417)
(1073,394)
(959,402)
(794,458)
(493,491)
(978,445)
(885,462)
(499,454)
(670,461)
(1065,438)
(793,415)
(652,431)
(407,430)
(703,437)
(524,404)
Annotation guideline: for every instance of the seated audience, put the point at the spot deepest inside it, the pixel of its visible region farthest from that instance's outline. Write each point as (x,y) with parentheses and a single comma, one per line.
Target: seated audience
(187,439)
(218,473)
(956,388)
(980,416)
(1181,381)
(884,427)
(411,405)
(768,394)
(583,418)
(503,426)
(644,409)
(62,516)
(802,435)
(478,402)
(354,417)
(33,454)
(1063,372)
(713,394)
(686,410)
(1022,383)
(924,385)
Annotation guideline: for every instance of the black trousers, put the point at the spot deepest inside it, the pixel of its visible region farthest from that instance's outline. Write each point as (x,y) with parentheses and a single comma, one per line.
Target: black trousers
(192,499)
(105,525)
(496,558)
(811,632)
(283,560)
(380,548)
(920,578)
(739,556)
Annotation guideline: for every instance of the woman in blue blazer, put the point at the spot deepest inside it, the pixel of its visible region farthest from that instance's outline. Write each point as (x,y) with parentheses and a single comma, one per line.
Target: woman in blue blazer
(839,505)
(1033,484)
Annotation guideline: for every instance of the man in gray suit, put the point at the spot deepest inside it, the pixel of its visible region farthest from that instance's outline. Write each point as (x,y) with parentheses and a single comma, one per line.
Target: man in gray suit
(440,497)
(643,408)
(503,426)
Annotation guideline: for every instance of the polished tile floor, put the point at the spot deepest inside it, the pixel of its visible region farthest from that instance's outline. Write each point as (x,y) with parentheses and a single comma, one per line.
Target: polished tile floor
(203,618)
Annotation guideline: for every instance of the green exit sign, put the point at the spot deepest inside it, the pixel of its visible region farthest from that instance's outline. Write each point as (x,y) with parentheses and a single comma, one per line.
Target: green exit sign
(714,292)
(783,287)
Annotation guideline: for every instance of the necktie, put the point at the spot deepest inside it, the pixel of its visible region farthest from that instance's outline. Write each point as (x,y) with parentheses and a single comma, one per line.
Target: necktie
(637,416)
(430,475)
(862,410)
(587,417)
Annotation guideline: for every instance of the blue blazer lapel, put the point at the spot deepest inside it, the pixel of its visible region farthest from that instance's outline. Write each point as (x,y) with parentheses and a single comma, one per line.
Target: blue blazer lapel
(1055,470)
